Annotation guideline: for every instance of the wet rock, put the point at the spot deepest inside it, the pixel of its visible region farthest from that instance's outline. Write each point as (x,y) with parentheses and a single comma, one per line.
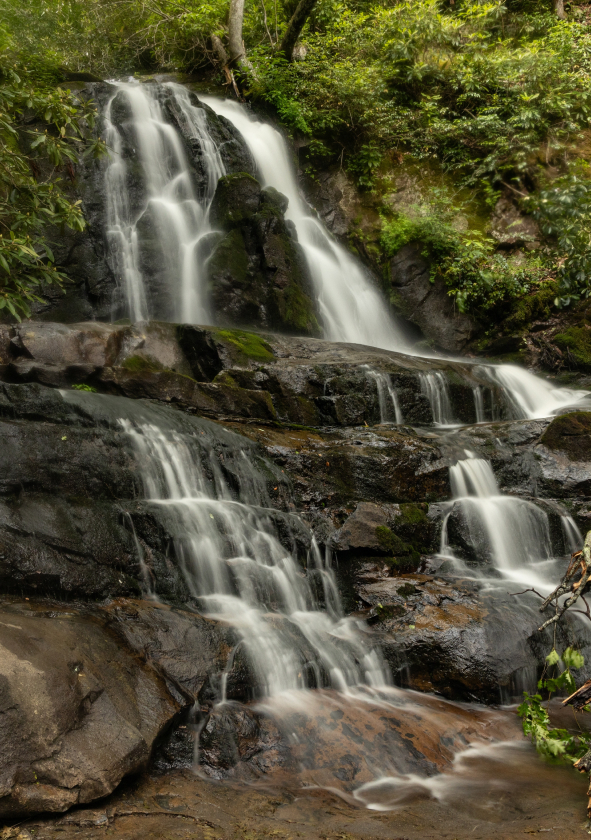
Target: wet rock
(257,272)
(571,435)
(450,636)
(70,522)
(236,742)
(79,711)
(426,303)
(225,372)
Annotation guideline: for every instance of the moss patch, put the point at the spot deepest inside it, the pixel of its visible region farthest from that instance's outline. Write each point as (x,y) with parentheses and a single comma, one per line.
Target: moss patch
(414,514)
(389,541)
(137,364)
(577,341)
(249,345)
(570,434)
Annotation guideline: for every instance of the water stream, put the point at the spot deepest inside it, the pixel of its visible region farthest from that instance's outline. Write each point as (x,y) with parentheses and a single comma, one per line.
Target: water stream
(286,608)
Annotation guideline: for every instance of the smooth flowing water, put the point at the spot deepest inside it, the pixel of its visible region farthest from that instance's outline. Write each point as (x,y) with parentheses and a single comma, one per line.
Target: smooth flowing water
(155,215)
(512,533)
(292,624)
(390,411)
(158,218)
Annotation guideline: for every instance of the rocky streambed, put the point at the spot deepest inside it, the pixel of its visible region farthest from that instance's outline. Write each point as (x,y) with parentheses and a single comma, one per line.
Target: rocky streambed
(109,667)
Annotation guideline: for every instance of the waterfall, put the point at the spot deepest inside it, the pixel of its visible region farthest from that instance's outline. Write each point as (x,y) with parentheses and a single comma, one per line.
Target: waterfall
(240,574)
(163,221)
(515,532)
(157,217)
(351,308)
(434,386)
(573,539)
(528,396)
(389,403)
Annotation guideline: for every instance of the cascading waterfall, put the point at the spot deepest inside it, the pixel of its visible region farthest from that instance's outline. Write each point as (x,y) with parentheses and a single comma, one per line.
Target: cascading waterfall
(515,532)
(573,539)
(168,228)
(239,572)
(171,208)
(351,308)
(434,386)
(390,411)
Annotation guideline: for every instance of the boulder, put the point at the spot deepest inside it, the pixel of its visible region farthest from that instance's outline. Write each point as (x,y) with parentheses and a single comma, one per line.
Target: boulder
(425,302)
(511,228)
(79,712)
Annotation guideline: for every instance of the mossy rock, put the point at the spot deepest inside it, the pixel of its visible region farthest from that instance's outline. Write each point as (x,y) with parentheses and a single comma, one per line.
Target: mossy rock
(414,514)
(246,345)
(571,434)
(237,198)
(577,341)
(139,364)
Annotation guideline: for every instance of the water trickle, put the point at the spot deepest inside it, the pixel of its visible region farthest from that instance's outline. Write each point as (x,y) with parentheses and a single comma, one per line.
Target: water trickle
(514,532)
(162,219)
(529,397)
(390,411)
(434,386)
(291,624)
(573,539)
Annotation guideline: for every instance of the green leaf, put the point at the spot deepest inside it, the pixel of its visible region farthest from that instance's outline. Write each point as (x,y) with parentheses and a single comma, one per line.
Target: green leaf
(572,658)
(553,657)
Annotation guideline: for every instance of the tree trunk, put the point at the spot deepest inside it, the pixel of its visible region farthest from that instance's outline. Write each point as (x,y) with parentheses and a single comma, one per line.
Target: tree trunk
(224,60)
(235,18)
(559,9)
(295,26)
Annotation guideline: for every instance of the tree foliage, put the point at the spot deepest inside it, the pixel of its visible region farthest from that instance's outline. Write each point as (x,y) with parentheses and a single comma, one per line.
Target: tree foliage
(33,165)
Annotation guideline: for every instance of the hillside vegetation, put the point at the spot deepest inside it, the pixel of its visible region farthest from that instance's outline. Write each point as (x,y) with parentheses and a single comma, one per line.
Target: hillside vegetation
(492,100)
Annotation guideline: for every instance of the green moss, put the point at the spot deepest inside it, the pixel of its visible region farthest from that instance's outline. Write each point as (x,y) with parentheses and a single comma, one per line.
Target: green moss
(138,364)
(408,564)
(230,258)
(406,590)
(389,541)
(296,310)
(577,341)
(570,433)
(535,307)
(249,345)
(414,514)
(83,387)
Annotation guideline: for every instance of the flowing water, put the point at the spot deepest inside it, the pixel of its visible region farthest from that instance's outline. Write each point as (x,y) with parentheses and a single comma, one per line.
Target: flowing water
(285,608)
(512,533)
(166,219)
(390,411)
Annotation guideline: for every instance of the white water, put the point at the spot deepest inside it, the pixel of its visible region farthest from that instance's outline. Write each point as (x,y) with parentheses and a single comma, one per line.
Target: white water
(573,538)
(528,396)
(239,572)
(171,205)
(351,308)
(390,411)
(434,386)
(515,532)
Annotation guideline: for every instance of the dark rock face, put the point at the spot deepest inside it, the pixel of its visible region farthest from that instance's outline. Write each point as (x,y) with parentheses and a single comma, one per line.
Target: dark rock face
(427,304)
(226,373)
(257,272)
